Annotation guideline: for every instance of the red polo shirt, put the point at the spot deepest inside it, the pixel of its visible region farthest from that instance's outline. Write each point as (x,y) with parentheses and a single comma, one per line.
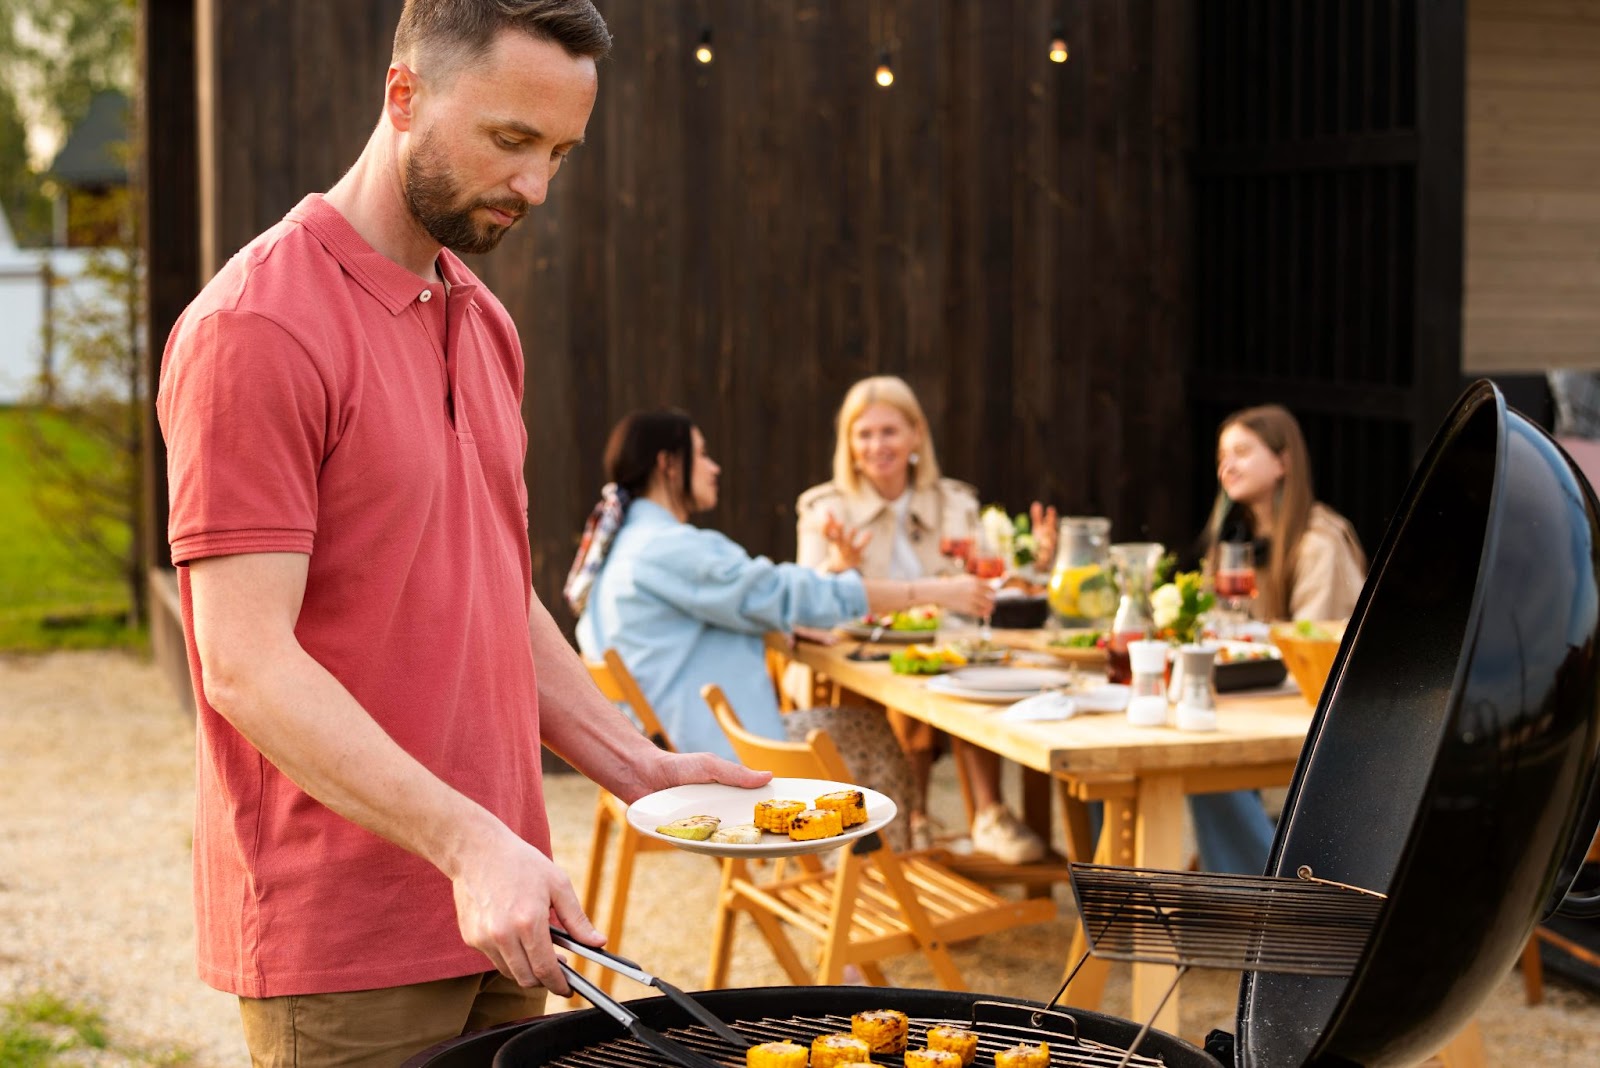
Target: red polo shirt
(319,398)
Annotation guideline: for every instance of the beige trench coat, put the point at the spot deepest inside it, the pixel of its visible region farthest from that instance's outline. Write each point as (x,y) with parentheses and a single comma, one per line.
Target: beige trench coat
(948,508)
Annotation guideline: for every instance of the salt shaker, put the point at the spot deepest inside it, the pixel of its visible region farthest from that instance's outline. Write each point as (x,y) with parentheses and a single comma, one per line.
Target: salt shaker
(1147,705)
(1197,704)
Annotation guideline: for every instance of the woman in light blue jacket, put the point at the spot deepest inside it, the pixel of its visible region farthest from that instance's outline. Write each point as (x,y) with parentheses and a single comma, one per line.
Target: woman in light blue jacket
(685,606)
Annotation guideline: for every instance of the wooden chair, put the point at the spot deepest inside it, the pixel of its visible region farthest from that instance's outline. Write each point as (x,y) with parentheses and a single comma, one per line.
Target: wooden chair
(614,679)
(1533,966)
(875,904)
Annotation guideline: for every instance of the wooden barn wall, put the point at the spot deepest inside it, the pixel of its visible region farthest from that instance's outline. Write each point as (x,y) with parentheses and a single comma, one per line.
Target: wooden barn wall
(746,239)
(1533,186)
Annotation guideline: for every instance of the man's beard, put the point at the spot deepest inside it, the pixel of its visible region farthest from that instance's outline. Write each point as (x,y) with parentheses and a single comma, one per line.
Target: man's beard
(435,202)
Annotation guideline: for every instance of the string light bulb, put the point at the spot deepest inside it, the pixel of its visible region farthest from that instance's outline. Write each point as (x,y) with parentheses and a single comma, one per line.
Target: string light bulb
(1058,42)
(885,73)
(703,51)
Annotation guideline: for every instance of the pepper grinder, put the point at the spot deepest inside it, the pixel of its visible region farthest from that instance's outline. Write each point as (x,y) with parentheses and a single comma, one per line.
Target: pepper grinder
(1197,702)
(1147,703)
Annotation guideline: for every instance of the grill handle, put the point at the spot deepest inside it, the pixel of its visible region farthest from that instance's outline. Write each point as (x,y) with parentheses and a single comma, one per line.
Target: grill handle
(623,966)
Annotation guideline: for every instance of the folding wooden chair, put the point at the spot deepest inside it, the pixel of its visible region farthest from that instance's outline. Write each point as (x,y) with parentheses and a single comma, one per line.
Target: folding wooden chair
(1533,966)
(617,683)
(875,904)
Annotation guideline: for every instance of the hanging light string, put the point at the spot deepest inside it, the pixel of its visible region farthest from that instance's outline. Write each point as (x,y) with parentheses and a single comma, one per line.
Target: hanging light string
(702,51)
(1058,42)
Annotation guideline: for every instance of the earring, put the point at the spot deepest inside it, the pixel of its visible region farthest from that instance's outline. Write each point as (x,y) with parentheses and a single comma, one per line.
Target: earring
(914,457)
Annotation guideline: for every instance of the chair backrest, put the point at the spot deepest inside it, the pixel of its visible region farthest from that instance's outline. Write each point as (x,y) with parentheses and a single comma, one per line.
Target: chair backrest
(815,758)
(617,683)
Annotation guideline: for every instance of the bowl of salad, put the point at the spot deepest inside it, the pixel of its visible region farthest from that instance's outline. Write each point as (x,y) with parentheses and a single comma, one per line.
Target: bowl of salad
(1308,649)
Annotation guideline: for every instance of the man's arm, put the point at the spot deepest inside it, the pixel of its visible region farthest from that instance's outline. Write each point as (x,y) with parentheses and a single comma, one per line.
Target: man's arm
(592,735)
(304,721)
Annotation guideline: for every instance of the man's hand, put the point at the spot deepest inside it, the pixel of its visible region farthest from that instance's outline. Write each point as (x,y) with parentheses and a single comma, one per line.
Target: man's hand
(507,895)
(681,769)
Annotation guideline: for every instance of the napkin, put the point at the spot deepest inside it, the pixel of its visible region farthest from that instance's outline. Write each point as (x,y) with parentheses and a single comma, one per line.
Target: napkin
(1041,708)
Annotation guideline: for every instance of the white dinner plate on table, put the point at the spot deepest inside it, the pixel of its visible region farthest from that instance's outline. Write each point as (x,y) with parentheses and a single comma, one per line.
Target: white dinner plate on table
(734,805)
(1012,680)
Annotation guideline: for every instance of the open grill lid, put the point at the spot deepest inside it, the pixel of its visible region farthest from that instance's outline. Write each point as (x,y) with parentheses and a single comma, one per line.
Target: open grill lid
(1451,759)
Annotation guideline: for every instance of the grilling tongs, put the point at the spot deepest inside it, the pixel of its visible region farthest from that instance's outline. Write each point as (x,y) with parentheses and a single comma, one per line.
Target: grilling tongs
(663,1045)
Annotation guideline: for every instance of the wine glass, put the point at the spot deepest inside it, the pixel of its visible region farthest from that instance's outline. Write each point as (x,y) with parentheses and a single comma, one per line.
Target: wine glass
(1235,581)
(987,564)
(958,551)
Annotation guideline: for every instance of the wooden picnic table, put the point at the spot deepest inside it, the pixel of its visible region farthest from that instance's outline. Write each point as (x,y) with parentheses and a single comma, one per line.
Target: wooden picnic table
(1142,774)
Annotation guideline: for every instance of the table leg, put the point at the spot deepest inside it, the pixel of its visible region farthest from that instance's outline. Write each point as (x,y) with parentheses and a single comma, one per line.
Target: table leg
(1116,846)
(1158,843)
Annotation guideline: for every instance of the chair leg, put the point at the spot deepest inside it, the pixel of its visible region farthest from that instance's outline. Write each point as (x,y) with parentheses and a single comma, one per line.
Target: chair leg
(616,914)
(1466,1049)
(722,930)
(932,945)
(596,871)
(836,947)
(872,973)
(1532,970)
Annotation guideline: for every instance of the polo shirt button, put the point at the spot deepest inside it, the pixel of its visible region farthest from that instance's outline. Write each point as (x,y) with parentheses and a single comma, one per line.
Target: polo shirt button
(427,295)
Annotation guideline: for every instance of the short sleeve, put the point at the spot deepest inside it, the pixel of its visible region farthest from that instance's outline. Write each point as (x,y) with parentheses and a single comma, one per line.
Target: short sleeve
(246,415)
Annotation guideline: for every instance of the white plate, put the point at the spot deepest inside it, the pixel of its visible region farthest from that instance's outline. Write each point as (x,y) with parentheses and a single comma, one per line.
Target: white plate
(733,806)
(1010,680)
(863,632)
(941,684)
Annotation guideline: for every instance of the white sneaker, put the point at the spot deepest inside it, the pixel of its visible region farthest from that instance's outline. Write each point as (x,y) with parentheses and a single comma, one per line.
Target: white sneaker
(1000,834)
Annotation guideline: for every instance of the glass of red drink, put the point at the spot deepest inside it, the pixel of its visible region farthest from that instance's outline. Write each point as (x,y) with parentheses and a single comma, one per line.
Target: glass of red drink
(1235,579)
(957,550)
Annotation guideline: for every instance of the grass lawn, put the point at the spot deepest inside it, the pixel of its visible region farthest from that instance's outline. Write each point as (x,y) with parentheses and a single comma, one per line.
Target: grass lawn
(49,599)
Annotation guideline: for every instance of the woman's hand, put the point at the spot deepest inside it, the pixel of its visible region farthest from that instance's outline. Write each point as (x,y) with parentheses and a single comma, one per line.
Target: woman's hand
(966,594)
(844,545)
(1044,535)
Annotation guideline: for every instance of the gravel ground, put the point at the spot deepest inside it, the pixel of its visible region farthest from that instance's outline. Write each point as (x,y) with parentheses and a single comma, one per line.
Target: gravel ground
(95,810)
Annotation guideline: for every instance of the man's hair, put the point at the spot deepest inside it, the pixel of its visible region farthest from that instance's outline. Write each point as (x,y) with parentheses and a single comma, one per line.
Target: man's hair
(455,32)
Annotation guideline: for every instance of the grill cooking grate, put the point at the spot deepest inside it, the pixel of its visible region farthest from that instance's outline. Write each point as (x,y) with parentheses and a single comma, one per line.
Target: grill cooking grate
(1066,1049)
(1303,926)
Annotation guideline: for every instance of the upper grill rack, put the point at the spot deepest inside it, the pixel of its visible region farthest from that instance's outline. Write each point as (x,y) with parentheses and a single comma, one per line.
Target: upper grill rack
(1300,926)
(1067,1049)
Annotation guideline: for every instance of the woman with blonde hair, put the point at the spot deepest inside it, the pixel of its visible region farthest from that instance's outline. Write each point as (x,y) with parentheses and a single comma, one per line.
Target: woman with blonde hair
(884,514)
(1309,562)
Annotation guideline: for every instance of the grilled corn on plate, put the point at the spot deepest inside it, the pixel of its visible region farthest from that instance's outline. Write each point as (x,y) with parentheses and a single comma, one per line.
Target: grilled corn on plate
(851,805)
(775,815)
(815,823)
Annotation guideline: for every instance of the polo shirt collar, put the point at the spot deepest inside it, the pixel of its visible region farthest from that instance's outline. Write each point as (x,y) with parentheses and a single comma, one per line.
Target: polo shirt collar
(395,287)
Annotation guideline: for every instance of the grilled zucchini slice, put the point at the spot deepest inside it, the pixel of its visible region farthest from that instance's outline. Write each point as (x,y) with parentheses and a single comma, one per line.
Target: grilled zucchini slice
(693,828)
(738,834)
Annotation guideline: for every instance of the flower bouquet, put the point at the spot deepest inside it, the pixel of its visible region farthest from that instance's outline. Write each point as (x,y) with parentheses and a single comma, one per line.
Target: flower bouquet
(1178,606)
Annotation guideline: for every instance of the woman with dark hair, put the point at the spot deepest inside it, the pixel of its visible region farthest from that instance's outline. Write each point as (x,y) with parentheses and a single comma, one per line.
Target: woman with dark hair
(686,606)
(1309,563)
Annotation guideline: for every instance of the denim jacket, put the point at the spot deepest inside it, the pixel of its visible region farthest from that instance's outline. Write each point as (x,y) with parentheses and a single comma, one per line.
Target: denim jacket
(685,606)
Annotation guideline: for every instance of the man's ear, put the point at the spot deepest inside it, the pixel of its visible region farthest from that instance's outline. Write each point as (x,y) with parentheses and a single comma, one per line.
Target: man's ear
(400,89)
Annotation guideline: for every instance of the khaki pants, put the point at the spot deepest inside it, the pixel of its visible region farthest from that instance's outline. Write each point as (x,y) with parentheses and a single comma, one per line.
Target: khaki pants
(379,1028)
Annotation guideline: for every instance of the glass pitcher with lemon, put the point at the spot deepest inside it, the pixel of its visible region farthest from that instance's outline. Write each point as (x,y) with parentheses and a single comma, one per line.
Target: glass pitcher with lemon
(1082,593)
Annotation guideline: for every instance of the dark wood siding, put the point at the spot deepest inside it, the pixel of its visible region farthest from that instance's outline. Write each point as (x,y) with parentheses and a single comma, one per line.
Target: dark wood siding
(746,239)
(1328,196)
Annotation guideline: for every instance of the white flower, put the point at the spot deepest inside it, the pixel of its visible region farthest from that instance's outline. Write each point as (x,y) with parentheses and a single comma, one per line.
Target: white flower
(997,530)
(1165,604)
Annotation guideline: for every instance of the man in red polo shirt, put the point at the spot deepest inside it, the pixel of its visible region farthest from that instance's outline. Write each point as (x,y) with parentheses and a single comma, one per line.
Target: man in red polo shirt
(374,674)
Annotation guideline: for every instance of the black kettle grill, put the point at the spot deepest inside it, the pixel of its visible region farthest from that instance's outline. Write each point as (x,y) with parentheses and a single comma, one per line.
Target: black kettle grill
(1448,779)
